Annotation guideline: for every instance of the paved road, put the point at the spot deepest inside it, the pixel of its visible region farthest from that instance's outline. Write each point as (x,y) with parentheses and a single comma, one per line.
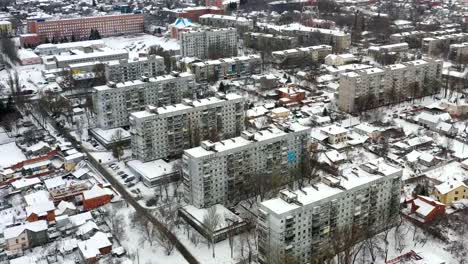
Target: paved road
(127,196)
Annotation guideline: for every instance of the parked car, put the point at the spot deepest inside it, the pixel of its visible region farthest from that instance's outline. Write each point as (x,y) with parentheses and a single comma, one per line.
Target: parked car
(130,184)
(120,173)
(129,179)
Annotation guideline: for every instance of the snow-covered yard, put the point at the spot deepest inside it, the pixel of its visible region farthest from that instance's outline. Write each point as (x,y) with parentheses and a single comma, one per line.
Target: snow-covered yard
(10,154)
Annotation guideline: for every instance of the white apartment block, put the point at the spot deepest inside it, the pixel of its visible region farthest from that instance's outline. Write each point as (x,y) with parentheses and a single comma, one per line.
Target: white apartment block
(263,41)
(340,40)
(209,43)
(388,84)
(221,172)
(376,51)
(222,21)
(227,67)
(133,69)
(302,224)
(166,131)
(114,102)
(436,45)
(295,56)
(459,52)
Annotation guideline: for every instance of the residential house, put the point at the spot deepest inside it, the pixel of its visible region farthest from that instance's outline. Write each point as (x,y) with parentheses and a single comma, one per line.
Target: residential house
(39,207)
(450,191)
(19,238)
(336,134)
(96,197)
(95,247)
(425,209)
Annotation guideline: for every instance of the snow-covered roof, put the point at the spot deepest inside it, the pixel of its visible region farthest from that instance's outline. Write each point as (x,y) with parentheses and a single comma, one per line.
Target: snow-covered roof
(416,141)
(38,146)
(15,231)
(413,156)
(335,156)
(151,169)
(54,182)
(223,212)
(90,248)
(424,209)
(80,172)
(96,191)
(24,260)
(449,186)
(426,157)
(25,182)
(87,227)
(333,130)
(80,219)
(63,206)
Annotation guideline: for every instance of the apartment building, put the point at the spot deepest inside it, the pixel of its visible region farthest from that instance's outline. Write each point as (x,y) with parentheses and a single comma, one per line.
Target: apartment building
(302,224)
(133,69)
(166,131)
(263,41)
(339,40)
(226,68)
(62,61)
(223,172)
(372,87)
(6,28)
(209,43)
(222,21)
(294,57)
(437,45)
(459,52)
(80,28)
(114,102)
(376,51)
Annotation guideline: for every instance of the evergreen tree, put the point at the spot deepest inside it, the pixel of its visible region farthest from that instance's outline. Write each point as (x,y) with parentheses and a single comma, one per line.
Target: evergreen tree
(159,31)
(92,34)
(73,38)
(46,40)
(222,88)
(94,3)
(289,80)
(98,36)
(325,112)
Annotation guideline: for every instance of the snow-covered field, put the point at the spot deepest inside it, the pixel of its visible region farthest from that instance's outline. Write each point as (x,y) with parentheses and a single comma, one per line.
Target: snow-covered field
(137,43)
(10,154)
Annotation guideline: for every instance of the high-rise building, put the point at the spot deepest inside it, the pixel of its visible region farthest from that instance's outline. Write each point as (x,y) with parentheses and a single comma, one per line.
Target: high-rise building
(222,172)
(166,131)
(372,87)
(305,224)
(114,102)
(208,43)
(133,69)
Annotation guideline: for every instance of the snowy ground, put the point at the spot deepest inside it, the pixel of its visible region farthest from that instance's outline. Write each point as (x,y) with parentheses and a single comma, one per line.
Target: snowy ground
(138,43)
(30,77)
(10,154)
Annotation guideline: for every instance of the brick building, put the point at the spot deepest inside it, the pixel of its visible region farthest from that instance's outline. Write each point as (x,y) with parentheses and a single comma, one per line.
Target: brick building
(80,28)
(96,197)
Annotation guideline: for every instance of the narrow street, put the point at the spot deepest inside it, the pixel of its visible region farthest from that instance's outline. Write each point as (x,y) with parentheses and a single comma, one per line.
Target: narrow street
(124,193)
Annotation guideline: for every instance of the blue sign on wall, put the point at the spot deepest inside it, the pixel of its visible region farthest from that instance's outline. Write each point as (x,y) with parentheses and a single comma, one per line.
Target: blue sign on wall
(291,156)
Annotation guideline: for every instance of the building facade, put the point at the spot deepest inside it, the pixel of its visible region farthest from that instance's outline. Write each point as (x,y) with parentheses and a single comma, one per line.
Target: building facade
(295,57)
(167,131)
(80,28)
(113,102)
(372,87)
(223,172)
(262,41)
(222,21)
(226,68)
(209,43)
(303,224)
(459,52)
(133,69)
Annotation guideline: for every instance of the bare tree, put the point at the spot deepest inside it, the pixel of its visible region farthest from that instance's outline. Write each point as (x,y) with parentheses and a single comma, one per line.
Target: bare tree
(117,144)
(211,220)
